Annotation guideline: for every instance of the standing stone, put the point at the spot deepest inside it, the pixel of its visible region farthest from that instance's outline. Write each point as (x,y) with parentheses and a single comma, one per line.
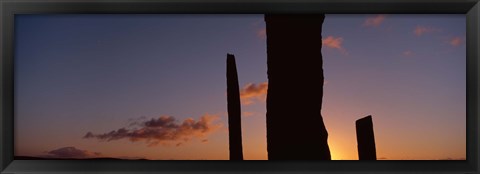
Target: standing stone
(365,139)
(295,128)
(234,111)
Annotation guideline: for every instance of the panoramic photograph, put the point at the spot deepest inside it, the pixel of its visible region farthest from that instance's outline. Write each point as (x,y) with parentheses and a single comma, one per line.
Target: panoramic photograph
(240,87)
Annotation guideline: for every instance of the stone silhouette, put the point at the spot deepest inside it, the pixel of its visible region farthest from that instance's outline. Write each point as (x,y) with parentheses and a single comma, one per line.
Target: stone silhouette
(234,110)
(365,139)
(295,128)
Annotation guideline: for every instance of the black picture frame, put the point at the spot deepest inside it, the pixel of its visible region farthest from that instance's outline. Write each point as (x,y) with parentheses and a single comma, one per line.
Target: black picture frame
(9,8)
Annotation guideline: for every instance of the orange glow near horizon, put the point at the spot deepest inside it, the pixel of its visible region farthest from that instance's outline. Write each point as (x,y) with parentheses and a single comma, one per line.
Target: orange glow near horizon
(154,86)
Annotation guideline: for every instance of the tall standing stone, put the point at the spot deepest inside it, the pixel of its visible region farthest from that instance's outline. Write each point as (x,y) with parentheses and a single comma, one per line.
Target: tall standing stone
(365,139)
(234,111)
(295,128)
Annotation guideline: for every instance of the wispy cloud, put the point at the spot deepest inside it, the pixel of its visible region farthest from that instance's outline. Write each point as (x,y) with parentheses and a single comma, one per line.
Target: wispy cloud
(259,28)
(374,21)
(253,92)
(335,43)
(456,41)
(247,114)
(420,30)
(262,33)
(163,130)
(408,53)
(71,152)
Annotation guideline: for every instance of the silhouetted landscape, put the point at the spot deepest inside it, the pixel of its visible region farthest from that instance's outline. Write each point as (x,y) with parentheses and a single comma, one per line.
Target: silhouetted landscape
(46,158)
(295,122)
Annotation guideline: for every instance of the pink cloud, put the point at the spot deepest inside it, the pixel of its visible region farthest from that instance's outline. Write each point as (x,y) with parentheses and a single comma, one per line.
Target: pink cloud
(374,21)
(251,92)
(335,43)
(456,41)
(332,42)
(163,130)
(420,30)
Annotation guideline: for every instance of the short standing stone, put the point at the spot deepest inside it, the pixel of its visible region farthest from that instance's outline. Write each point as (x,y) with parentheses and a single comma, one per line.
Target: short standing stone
(365,139)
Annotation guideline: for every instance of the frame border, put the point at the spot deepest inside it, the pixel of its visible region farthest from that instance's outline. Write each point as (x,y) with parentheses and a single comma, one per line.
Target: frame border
(9,8)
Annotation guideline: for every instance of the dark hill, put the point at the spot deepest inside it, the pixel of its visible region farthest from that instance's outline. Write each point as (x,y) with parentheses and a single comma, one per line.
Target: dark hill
(42,158)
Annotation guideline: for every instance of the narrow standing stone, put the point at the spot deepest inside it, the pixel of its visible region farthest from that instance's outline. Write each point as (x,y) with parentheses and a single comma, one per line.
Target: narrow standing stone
(295,128)
(234,111)
(365,139)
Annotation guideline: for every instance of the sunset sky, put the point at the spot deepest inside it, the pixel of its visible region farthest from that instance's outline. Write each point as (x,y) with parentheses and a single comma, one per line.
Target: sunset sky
(103,85)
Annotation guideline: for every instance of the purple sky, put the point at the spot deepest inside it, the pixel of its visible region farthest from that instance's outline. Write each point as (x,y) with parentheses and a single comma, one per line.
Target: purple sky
(76,74)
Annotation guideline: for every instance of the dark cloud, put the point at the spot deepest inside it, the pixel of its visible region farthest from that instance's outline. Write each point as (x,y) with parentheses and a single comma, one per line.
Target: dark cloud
(71,152)
(162,131)
(163,121)
(136,121)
